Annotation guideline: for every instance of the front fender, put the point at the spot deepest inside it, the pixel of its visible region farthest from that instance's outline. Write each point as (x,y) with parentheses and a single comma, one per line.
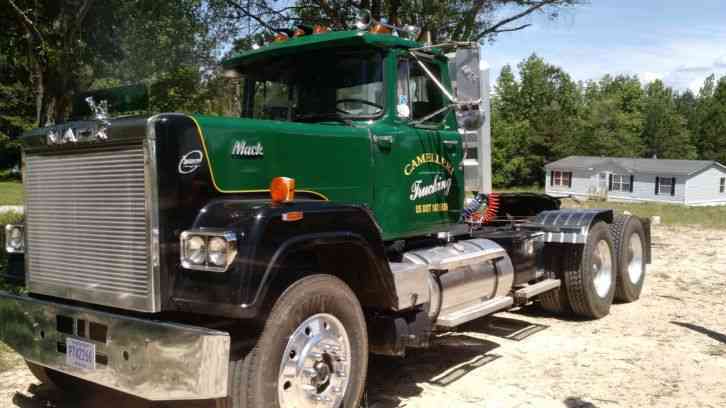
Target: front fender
(344,240)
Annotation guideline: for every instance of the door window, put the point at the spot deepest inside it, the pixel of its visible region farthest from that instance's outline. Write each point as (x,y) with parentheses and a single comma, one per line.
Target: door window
(418,95)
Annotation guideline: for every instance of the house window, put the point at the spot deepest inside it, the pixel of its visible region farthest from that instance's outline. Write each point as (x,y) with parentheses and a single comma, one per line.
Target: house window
(665,186)
(622,183)
(561,178)
(722,187)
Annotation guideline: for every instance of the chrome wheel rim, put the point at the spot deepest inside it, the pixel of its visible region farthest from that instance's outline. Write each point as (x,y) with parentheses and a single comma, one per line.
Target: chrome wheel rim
(635,258)
(315,367)
(602,268)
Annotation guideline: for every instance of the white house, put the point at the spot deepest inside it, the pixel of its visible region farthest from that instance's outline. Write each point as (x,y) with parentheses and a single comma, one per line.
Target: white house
(689,182)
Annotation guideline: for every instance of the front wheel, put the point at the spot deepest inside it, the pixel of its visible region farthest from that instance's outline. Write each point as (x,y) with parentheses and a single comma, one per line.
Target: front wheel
(313,351)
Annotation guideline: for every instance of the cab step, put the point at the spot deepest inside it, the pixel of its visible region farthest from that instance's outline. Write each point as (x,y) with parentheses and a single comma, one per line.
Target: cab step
(476,311)
(524,295)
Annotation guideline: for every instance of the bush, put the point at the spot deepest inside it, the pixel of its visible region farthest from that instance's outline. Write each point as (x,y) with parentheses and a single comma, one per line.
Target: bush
(10,174)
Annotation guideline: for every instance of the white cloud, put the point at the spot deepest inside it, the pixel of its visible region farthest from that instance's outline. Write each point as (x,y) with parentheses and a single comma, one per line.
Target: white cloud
(647,77)
(681,56)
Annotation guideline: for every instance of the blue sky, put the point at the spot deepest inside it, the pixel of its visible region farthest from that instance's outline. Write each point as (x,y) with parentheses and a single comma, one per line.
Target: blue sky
(680,42)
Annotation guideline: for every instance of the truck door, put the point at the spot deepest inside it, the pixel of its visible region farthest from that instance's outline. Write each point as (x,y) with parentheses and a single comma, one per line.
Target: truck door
(419,186)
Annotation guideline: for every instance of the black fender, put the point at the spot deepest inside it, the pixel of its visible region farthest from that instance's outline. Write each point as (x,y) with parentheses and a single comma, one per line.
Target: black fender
(568,226)
(274,250)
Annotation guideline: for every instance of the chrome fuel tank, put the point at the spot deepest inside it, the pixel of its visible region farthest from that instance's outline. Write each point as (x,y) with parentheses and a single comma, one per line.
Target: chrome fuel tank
(464,273)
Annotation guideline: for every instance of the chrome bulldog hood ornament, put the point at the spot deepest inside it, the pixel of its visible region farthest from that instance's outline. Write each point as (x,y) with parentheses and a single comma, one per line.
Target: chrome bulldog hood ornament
(100,112)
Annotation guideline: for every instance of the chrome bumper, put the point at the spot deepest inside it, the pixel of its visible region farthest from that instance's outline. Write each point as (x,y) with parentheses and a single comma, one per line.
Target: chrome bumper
(149,359)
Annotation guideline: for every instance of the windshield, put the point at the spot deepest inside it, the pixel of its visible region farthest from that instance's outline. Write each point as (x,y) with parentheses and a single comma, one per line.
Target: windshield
(311,87)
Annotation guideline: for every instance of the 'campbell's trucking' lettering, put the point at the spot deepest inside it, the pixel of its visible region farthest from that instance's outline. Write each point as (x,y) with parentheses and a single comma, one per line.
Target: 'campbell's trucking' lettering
(424,158)
(420,190)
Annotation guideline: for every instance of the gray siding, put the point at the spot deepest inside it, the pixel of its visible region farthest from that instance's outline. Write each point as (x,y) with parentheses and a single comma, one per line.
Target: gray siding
(585,183)
(581,184)
(703,188)
(644,190)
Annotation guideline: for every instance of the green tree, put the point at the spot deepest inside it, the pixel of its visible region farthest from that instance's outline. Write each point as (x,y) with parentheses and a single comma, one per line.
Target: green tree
(16,102)
(461,20)
(665,131)
(73,44)
(534,120)
(612,118)
(712,143)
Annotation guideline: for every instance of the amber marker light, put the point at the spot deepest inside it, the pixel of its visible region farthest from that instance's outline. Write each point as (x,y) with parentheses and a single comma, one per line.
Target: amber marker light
(380,29)
(282,189)
(292,216)
(299,32)
(320,29)
(280,37)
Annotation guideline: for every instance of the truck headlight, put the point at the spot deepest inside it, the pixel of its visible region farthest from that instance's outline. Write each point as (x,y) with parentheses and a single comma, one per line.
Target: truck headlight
(14,239)
(195,250)
(217,253)
(208,250)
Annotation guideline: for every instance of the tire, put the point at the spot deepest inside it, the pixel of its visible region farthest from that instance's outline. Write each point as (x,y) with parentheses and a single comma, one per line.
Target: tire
(554,301)
(628,237)
(318,306)
(589,272)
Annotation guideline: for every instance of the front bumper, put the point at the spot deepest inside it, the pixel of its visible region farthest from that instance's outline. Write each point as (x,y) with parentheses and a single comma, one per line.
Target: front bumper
(150,359)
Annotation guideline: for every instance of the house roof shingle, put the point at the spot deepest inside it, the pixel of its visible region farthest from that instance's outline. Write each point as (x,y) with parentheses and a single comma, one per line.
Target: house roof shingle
(648,166)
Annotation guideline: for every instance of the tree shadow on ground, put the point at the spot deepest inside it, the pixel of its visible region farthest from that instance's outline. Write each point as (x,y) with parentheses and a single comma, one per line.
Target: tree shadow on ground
(721,338)
(573,402)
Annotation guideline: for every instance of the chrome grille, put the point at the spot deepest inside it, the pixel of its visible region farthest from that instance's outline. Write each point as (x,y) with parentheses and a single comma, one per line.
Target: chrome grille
(87,227)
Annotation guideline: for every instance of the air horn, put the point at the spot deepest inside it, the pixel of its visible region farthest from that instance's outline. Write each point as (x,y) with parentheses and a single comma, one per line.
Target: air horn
(364,21)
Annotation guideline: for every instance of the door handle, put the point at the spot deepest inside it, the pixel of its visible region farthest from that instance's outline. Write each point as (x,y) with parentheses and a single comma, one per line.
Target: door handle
(384,142)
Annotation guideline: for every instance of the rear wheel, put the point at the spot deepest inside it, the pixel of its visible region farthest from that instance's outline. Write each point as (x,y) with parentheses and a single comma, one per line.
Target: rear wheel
(313,351)
(629,239)
(589,272)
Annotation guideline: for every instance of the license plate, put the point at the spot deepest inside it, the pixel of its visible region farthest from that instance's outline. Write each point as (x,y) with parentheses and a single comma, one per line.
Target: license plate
(80,354)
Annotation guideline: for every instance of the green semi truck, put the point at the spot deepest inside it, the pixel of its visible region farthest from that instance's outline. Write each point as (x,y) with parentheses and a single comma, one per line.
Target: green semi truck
(258,259)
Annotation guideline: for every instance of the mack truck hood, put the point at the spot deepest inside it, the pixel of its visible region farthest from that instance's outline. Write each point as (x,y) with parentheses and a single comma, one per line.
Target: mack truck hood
(328,161)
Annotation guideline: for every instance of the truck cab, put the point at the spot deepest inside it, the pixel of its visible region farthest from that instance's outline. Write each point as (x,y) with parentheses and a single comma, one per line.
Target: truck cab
(258,259)
(351,121)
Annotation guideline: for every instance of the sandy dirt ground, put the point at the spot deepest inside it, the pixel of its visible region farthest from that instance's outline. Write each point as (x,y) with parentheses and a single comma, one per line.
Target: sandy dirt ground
(666,350)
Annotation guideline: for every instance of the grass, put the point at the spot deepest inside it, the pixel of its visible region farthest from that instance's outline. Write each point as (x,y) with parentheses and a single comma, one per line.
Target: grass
(11,193)
(670,214)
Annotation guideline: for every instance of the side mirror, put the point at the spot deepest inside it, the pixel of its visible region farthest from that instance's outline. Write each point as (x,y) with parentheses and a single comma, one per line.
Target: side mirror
(468,88)
(471,118)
